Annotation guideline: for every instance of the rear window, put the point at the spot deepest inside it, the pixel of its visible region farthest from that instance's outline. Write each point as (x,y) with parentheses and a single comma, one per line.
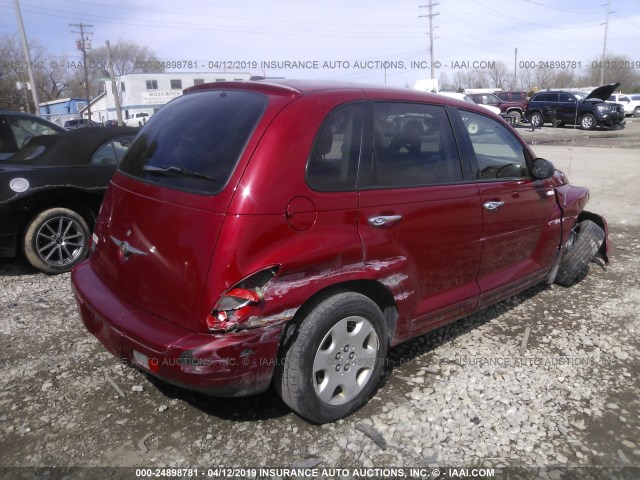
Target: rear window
(194,142)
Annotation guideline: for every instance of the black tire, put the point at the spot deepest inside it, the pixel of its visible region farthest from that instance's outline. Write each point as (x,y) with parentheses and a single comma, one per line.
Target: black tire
(588,122)
(56,240)
(346,333)
(584,242)
(636,112)
(517,116)
(536,119)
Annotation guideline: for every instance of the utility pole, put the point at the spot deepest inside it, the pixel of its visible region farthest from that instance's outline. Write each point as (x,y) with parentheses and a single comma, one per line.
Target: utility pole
(515,70)
(82,45)
(114,86)
(430,15)
(604,45)
(27,58)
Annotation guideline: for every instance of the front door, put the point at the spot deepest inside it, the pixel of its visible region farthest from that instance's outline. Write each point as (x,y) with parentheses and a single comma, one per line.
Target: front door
(520,236)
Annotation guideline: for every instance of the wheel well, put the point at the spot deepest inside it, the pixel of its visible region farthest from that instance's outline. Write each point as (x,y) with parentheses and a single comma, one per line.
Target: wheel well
(369,288)
(78,206)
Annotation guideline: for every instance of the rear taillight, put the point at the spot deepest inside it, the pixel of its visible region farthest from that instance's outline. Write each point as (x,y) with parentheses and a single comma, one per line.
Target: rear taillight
(233,309)
(237,308)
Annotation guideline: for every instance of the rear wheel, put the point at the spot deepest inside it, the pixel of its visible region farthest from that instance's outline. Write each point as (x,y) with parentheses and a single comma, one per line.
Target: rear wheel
(588,121)
(584,241)
(334,363)
(56,240)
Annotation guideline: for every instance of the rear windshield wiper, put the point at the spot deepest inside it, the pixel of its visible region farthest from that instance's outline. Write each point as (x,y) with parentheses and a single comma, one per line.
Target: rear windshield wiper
(176,171)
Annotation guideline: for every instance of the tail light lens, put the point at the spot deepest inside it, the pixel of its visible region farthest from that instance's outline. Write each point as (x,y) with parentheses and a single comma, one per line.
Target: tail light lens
(233,309)
(239,305)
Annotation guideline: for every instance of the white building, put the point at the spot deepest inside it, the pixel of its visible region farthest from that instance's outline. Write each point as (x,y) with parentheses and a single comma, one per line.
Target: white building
(147,92)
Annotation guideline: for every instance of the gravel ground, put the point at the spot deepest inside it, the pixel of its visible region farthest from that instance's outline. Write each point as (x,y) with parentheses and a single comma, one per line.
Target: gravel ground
(549,377)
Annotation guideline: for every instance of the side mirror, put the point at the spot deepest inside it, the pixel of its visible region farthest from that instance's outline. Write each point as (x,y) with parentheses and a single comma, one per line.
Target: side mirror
(542,169)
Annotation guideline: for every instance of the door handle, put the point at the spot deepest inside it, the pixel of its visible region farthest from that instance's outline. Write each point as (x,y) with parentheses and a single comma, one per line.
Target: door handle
(384,220)
(494,205)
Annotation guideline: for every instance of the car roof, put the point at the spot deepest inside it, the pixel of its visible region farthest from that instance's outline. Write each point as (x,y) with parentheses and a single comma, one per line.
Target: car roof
(75,146)
(299,88)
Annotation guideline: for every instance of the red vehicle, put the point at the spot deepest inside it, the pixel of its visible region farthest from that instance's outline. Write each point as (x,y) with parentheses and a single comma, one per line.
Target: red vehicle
(292,232)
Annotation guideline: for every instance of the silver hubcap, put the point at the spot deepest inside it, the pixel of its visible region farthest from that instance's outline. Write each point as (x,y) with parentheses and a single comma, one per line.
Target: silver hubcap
(345,360)
(473,128)
(587,122)
(59,241)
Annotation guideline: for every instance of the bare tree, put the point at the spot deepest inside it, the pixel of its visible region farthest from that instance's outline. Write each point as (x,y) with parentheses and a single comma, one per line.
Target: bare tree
(127,57)
(499,75)
(617,68)
(51,82)
(64,77)
(11,73)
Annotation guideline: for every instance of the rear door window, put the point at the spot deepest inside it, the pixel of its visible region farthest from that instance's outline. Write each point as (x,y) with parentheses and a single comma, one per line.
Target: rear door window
(413,146)
(194,142)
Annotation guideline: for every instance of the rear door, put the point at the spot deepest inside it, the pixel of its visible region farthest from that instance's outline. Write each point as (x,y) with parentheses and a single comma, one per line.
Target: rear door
(520,228)
(418,214)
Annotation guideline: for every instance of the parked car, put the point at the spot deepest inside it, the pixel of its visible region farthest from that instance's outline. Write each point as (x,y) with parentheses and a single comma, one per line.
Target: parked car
(292,232)
(513,103)
(80,123)
(111,123)
(631,107)
(492,99)
(17,128)
(137,119)
(574,107)
(472,126)
(50,192)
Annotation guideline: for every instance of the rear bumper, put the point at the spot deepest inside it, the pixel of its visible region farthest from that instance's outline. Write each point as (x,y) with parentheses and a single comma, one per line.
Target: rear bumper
(234,364)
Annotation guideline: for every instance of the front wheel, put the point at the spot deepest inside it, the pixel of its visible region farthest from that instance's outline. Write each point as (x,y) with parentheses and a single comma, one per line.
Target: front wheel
(588,121)
(583,243)
(536,120)
(56,240)
(636,112)
(334,363)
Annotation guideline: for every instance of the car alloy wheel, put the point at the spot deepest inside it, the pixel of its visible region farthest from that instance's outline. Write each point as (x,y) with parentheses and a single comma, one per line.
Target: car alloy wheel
(536,120)
(56,240)
(588,122)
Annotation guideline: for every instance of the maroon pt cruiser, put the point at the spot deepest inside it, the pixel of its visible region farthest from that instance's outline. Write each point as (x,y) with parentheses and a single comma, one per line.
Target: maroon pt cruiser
(292,232)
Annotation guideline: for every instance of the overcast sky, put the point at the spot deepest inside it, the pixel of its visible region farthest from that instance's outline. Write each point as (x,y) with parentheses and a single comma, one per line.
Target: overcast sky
(363,31)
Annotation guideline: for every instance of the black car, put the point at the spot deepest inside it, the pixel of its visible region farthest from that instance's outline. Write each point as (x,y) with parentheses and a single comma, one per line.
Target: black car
(17,128)
(50,193)
(80,123)
(574,107)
